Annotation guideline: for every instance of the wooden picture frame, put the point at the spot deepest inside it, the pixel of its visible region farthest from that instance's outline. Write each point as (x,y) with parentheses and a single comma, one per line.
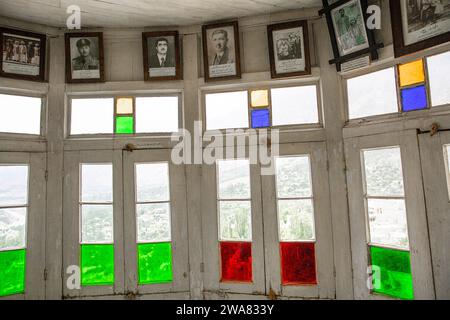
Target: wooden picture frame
(88,69)
(169,68)
(226,64)
(340,52)
(292,43)
(24,53)
(404,42)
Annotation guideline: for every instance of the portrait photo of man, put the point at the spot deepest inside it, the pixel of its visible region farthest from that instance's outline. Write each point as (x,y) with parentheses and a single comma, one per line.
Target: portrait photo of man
(160,54)
(86,59)
(222,53)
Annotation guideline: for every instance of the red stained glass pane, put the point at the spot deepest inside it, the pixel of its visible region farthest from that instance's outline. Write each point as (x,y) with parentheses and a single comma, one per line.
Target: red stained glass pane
(298,263)
(236,261)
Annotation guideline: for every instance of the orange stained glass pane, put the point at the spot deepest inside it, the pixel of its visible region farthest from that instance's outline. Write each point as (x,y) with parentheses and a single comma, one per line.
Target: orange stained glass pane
(124,106)
(411,73)
(260,98)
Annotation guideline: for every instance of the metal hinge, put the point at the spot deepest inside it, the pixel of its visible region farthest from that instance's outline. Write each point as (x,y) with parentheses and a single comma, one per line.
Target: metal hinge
(46,175)
(202,267)
(45,274)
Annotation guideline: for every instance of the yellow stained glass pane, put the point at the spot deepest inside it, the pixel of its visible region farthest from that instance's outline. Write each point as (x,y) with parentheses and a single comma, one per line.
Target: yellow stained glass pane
(411,73)
(124,106)
(260,98)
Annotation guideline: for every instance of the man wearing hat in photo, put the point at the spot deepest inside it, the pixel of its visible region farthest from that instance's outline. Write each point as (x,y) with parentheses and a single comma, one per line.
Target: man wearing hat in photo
(86,61)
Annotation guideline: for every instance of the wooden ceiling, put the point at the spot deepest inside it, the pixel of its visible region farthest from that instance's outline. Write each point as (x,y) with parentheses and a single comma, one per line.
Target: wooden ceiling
(144,13)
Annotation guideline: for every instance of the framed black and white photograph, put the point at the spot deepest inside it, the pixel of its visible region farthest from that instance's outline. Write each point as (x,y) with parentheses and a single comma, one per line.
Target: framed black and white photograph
(349,27)
(350,37)
(221,51)
(419,24)
(23,55)
(162,57)
(289,49)
(84,57)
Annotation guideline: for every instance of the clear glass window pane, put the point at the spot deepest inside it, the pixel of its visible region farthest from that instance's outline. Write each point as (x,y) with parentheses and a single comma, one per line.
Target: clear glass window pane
(296,220)
(157,115)
(233,179)
(153,222)
(372,94)
(293,177)
(14,185)
(383,172)
(97,224)
(438,71)
(20,114)
(226,110)
(13,228)
(387,222)
(235,221)
(92,116)
(295,105)
(152,182)
(96,183)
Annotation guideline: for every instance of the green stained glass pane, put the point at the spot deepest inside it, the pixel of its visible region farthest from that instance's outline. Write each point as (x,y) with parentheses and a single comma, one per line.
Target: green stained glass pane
(124,125)
(97,264)
(155,263)
(12,272)
(395,272)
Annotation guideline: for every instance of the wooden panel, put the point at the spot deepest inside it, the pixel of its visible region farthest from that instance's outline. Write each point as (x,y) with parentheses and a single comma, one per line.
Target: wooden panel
(438,207)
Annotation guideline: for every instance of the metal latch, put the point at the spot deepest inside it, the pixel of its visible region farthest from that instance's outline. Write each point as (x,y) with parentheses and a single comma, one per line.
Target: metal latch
(130,147)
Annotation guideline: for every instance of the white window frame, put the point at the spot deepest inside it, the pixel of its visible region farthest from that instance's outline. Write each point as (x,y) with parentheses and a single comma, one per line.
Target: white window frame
(438,206)
(325,288)
(399,115)
(265,86)
(35,224)
(211,241)
(179,223)
(71,219)
(129,94)
(415,211)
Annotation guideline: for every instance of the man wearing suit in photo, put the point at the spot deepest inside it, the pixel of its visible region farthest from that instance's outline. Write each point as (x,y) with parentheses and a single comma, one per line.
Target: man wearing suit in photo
(160,56)
(222,55)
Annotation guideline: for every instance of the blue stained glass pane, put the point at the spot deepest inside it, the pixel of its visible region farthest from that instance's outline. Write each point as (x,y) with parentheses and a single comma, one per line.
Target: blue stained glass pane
(414,98)
(260,118)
